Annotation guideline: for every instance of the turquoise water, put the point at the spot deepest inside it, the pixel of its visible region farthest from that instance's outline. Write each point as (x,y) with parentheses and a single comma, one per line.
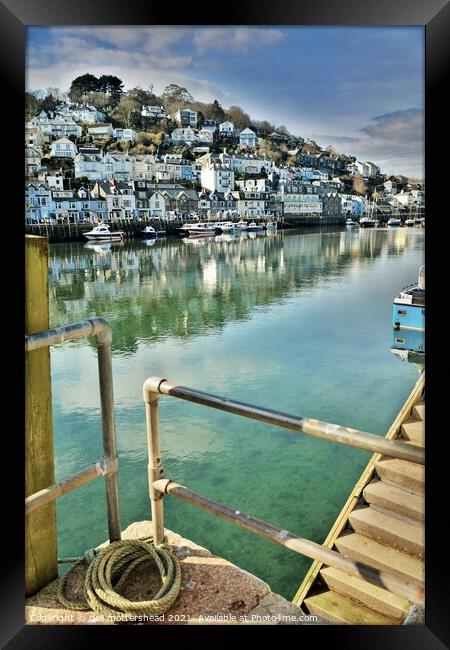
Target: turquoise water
(297,321)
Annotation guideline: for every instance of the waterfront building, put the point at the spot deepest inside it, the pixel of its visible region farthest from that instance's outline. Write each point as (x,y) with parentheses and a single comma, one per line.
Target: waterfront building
(186,117)
(63,148)
(37,201)
(119,196)
(248,138)
(217,177)
(251,204)
(331,205)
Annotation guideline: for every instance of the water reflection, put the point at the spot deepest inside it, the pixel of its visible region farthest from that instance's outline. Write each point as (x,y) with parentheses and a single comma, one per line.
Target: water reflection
(153,289)
(409,345)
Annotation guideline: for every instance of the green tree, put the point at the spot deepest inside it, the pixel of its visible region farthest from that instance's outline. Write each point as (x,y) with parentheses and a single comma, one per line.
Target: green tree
(111,86)
(83,85)
(216,112)
(49,103)
(144,97)
(99,100)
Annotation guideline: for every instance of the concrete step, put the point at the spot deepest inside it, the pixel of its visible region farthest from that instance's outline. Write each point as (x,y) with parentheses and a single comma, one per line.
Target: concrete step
(389,498)
(414,430)
(402,473)
(343,611)
(393,532)
(419,410)
(362,549)
(375,598)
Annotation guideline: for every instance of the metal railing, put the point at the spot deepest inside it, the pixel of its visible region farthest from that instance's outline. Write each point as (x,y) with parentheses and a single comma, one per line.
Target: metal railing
(108,465)
(154,387)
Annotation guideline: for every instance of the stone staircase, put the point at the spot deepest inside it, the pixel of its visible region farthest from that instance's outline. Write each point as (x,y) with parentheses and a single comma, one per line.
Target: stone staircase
(385,531)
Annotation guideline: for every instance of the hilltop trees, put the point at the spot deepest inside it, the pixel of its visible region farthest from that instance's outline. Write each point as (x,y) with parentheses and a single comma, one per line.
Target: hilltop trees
(240,118)
(84,85)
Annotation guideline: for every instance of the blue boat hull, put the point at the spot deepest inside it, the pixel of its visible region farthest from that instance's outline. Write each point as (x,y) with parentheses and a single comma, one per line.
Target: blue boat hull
(408,317)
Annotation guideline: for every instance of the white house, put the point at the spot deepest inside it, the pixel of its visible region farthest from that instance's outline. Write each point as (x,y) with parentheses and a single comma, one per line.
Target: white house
(226,128)
(205,135)
(366,169)
(186,135)
(154,112)
(53,178)
(63,148)
(60,126)
(34,137)
(89,165)
(217,178)
(101,130)
(209,125)
(248,138)
(124,134)
(186,117)
(33,159)
(120,199)
(83,113)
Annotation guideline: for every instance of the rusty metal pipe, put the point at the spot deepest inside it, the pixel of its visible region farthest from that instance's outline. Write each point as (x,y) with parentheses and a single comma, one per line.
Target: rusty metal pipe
(101,329)
(333,432)
(410,589)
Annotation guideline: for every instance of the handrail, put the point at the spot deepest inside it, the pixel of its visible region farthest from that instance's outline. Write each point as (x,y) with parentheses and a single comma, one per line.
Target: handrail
(154,387)
(332,432)
(108,465)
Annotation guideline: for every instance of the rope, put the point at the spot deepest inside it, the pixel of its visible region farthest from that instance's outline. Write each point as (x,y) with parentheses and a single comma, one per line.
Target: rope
(108,569)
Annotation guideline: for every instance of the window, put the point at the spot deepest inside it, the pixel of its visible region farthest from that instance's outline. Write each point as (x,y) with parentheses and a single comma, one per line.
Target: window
(402,312)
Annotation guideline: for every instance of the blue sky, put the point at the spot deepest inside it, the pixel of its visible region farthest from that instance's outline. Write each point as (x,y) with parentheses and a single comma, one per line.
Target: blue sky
(360,89)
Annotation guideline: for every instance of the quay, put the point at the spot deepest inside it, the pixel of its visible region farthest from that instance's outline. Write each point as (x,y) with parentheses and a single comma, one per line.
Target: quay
(211,589)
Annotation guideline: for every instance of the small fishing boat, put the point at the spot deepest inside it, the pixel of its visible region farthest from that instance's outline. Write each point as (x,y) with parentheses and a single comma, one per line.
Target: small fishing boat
(394,222)
(197,229)
(150,233)
(350,223)
(409,223)
(409,305)
(367,222)
(254,227)
(103,233)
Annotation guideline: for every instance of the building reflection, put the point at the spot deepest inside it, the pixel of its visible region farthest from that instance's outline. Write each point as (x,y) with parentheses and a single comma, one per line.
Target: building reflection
(183,288)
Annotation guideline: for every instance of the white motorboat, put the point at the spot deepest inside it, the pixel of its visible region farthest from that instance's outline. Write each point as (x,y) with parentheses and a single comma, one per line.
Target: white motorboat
(254,227)
(394,222)
(350,223)
(271,225)
(409,223)
(367,222)
(150,233)
(103,233)
(197,229)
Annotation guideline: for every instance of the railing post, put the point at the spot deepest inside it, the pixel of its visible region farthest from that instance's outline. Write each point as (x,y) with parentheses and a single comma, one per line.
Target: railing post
(41,565)
(155,468)
(109,433)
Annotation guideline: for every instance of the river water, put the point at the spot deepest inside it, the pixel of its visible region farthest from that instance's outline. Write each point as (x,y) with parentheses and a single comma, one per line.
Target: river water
(297,321)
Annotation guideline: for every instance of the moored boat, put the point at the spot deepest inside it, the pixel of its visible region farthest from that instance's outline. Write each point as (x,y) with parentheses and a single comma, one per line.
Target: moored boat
(350,223)
(394,222)
(409,223)
(150,233)
(409,305)
(367,222)
(103,233)
(254,227)
(197,229)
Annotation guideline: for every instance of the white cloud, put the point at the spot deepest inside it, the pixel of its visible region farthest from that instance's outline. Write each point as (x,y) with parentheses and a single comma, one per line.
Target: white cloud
(241,39)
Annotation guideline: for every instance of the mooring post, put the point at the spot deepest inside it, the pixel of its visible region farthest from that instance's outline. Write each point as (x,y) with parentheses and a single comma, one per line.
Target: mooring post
(41,564)
(155,468)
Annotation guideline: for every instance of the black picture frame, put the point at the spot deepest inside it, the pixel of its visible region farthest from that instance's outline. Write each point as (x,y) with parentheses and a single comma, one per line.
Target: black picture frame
(15,16)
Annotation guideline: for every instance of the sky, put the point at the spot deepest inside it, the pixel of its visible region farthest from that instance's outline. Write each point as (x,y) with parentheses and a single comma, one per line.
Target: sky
(360,89)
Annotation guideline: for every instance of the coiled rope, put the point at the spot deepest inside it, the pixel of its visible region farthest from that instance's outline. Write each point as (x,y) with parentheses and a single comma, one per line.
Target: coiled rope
(109,568)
